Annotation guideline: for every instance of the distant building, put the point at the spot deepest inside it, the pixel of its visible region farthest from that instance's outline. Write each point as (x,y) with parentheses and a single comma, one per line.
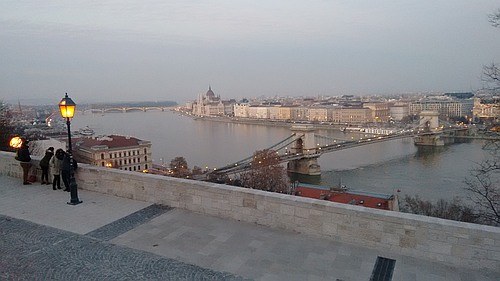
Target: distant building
(352,115)
(360,198)
(318,114)
(446,106)
(274,112)
(486,109)
(120,152)
(241,110)
(258,112)
(209,104)
(299,113)
(380,111)
(466,95)
(398,112)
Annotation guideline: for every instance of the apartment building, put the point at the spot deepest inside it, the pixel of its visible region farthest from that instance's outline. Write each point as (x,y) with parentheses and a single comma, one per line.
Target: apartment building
(241,110)
(114,151)
(318,114)
(352,115)
(486,110)
(258,112)
(380,111)
(446,106)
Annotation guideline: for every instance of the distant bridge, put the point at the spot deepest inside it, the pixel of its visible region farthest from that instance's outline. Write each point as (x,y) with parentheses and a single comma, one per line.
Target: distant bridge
(125,109)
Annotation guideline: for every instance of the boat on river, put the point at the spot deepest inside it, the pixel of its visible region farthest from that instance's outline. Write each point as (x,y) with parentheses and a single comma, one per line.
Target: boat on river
(86,131)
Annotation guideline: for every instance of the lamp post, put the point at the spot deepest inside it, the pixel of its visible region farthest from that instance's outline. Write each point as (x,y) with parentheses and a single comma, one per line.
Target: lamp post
(67,107)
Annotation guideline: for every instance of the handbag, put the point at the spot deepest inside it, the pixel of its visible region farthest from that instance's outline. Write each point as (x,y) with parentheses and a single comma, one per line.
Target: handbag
(32,175)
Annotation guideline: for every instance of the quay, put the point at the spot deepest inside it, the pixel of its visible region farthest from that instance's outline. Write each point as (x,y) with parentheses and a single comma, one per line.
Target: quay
(134,226)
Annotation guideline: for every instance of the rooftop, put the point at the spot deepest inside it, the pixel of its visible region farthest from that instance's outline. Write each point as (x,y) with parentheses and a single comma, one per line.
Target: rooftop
(112,141)
(353,197)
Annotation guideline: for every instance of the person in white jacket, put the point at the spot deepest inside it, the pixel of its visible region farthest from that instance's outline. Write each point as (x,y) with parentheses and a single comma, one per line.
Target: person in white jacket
(55,166)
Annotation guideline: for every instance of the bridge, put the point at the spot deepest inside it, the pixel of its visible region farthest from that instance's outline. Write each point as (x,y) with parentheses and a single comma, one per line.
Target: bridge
(124,109)
(304,146)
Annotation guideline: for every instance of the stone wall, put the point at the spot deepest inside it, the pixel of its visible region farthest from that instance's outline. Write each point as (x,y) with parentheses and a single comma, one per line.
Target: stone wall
(454,243)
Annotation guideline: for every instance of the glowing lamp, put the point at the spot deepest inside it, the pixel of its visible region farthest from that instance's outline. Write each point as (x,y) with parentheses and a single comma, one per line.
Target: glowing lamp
(16,142)
(67,107)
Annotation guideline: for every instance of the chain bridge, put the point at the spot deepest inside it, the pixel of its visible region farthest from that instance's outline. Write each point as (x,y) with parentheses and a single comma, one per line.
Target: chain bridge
(304,146)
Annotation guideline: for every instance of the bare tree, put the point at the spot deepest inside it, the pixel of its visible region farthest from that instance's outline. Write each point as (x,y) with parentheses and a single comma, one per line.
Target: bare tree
(454,210)
(197,170)
(484,185)
(179,167)
(5,127)
(266,173)
(491,75)
(484,181)
(491,72)
(495,18)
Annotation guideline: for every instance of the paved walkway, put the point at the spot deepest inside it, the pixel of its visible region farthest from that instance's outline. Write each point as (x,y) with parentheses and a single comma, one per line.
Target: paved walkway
(113,238)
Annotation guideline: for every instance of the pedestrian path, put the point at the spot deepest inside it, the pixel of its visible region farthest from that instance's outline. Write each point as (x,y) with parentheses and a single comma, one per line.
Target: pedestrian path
(112,238)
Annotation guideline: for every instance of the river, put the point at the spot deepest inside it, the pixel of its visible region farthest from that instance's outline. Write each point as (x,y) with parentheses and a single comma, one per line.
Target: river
(382,167)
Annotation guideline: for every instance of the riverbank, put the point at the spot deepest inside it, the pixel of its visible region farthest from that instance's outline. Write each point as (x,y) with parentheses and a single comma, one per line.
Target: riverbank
(261,122)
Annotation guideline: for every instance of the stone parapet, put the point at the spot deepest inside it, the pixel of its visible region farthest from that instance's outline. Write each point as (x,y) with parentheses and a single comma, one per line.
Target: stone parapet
(450,242)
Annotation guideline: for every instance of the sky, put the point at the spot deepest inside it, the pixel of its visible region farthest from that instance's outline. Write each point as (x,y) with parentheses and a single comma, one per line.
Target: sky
(123,50)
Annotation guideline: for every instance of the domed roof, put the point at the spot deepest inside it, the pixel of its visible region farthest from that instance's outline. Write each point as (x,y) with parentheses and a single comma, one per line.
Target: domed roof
(210,93)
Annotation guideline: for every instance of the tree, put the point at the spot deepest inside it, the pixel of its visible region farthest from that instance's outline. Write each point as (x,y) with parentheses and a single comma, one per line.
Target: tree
(179,167)
(484,182)
(196,171)
(266,173)
(491,72)
(484,185)
(495,18)
(6,129)
(454,210)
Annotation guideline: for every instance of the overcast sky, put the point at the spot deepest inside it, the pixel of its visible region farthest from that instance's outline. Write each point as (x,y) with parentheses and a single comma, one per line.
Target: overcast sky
(127,50)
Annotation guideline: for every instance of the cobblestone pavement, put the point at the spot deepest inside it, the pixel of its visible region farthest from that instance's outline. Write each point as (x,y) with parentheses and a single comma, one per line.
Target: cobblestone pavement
(127,223)
(35,252)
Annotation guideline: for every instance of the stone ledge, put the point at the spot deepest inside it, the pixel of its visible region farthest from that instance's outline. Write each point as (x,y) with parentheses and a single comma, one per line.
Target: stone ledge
(414,235)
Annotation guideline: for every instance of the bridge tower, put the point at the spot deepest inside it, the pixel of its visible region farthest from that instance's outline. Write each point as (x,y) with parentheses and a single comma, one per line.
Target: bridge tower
(429,120)
(305,145)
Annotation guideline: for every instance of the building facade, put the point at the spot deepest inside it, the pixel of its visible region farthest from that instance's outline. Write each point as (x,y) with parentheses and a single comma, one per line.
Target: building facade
(380,111)
(398,112)
(446,106)
(119,152)
(209,104)
(486,110)
(351,115)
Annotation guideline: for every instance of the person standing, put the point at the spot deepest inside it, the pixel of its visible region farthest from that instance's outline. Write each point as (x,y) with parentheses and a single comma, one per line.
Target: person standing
(66,170)
(44,164)
(23,155)
(55,165)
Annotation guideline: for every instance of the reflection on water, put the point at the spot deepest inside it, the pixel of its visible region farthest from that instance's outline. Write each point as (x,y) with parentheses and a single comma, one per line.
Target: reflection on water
(383,167)
(427,154)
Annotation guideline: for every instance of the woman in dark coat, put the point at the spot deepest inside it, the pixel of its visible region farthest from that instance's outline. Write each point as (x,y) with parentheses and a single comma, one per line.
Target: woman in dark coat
(44,164)
(23,155)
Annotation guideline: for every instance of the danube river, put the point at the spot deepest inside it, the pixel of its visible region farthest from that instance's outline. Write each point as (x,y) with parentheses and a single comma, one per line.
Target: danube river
(383,167)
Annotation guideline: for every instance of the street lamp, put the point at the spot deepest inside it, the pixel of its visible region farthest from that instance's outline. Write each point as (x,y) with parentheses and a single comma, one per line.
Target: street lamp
(16,142)
(67,107)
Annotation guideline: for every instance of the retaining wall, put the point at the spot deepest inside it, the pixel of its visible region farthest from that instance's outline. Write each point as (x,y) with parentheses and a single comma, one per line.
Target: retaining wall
(454,243)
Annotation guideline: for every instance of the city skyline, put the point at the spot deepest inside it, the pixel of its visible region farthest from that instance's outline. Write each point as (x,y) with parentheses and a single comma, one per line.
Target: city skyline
(120,50)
